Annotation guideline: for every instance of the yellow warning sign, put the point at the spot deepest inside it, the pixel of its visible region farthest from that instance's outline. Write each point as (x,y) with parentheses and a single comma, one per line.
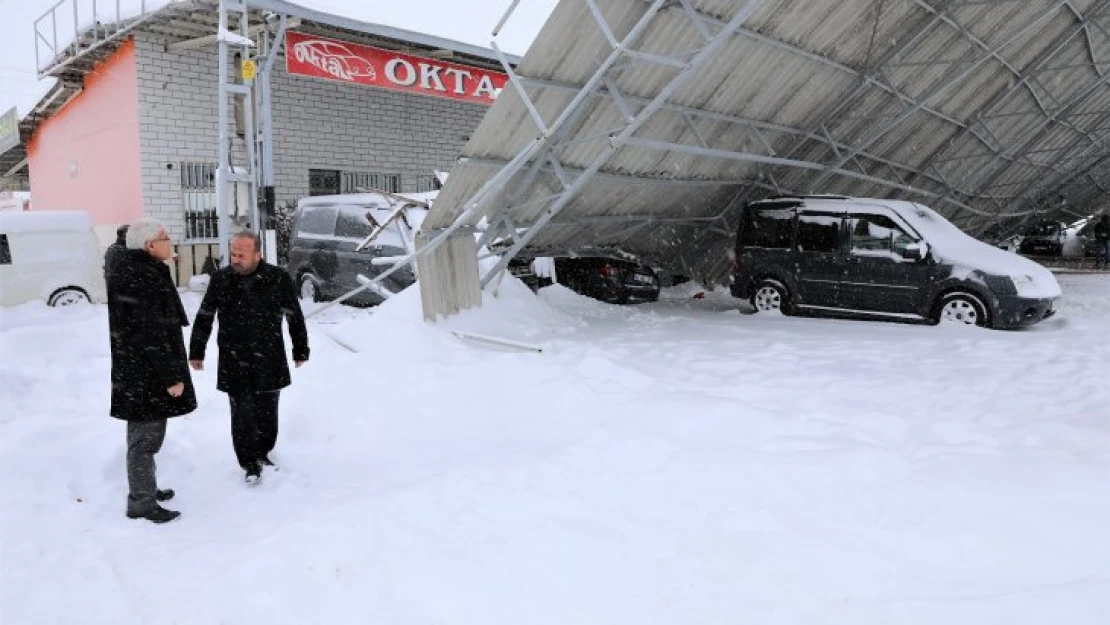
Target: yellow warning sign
(250,69)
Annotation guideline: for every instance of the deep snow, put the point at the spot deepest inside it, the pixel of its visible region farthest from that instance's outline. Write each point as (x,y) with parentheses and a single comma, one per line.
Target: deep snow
(667,463)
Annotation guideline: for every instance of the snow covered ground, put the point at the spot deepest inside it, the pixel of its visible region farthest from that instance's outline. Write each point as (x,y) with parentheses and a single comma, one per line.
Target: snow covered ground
(668,463)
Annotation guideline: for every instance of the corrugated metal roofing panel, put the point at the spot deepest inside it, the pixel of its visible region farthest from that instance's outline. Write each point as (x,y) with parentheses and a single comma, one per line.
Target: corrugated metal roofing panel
(979,107)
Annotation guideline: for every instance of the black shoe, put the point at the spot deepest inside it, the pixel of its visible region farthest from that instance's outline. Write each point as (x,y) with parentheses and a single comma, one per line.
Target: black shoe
(254,474)
(266,462)
(156,514)
(164,495)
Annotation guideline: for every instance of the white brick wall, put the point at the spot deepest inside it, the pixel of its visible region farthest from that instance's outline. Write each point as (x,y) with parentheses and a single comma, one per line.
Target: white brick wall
(317,125)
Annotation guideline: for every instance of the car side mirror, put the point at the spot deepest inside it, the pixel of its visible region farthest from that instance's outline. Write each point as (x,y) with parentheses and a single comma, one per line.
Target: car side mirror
(915,251)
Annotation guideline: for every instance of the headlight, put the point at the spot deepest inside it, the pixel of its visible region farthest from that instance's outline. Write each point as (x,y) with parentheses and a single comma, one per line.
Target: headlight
(1026,286)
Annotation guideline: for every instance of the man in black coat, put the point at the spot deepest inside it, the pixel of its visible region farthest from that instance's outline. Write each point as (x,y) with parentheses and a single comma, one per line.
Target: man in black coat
(150,374)
(115,252)
(1102,238)
(251,298)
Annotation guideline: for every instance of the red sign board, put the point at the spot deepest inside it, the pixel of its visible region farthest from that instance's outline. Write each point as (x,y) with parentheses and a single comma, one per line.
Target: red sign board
(308,55)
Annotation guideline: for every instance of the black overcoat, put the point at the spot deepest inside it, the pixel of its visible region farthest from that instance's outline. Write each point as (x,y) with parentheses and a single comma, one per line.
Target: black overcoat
(145,317)
(249,310)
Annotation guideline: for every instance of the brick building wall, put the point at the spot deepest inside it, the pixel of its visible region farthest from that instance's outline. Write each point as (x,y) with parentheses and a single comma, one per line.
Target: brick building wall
(318,124)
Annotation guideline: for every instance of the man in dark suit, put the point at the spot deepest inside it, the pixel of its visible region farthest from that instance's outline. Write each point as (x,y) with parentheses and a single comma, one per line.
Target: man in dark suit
(251,298)
(115,252)
(150,377)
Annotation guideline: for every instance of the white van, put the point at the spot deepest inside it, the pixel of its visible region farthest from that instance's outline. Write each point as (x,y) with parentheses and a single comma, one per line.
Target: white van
(50,255)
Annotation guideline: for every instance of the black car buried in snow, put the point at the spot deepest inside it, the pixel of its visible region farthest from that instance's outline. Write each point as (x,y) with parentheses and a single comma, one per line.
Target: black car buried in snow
(608,278)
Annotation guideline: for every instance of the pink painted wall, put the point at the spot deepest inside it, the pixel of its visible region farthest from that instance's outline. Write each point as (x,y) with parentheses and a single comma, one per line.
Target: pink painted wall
(86,156)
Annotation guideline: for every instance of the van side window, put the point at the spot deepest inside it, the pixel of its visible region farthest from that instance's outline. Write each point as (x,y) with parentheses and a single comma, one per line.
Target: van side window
(819,233)
(317,220)
(5,251)
(769,228)
(877,235)
(352,223)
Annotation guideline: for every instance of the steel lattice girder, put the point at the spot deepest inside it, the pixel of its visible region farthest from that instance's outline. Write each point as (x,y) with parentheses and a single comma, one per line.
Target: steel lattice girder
(990,111)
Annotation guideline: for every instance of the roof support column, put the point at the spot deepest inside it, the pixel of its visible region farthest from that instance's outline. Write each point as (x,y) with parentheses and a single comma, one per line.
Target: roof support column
(617,141)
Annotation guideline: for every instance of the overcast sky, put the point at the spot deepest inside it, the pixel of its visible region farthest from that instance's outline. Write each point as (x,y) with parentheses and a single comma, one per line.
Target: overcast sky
(468,21)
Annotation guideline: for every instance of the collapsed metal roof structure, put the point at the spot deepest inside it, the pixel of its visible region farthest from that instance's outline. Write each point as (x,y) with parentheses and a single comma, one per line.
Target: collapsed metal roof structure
(644,124)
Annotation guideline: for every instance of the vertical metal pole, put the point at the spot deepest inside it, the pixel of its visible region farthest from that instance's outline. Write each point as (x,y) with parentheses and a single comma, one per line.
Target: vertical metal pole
(266,133)
(76,31)
(249,133)
(223,169)
(262,88)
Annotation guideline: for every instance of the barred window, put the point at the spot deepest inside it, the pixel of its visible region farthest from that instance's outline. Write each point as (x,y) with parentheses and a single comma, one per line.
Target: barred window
(323,181)
(198,189)
(425,184)
(357,182)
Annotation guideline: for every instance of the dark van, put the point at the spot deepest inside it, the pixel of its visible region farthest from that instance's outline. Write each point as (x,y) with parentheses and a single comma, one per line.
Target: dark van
(327,231)
(885,259)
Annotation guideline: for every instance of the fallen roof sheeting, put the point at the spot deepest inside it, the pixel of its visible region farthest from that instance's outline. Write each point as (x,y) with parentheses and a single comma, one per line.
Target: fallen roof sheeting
(631,136)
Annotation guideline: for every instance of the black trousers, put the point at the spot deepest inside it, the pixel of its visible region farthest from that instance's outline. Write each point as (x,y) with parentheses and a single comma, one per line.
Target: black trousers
(254,424)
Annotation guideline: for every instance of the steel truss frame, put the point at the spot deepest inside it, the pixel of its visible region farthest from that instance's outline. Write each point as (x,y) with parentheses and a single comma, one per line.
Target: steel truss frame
(850,157)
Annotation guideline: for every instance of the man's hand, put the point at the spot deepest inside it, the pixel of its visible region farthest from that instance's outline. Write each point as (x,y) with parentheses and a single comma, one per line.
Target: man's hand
(298,363)
(177,389)
(197,365)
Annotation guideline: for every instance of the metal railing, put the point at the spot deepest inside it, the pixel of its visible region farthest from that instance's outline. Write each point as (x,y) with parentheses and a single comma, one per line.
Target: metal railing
(201,225)
(73,28)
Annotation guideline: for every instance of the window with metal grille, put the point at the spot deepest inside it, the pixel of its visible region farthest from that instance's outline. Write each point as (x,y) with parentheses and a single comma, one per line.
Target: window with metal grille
(425,184)
(198,190)
(355,182)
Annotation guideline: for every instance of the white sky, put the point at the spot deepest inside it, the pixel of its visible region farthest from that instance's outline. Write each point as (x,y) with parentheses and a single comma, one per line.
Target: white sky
(468,22)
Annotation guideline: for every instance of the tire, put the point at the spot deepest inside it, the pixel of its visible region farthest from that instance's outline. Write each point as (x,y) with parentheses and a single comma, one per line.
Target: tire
(961,308)
(68,296)
(770,296)
(309,288)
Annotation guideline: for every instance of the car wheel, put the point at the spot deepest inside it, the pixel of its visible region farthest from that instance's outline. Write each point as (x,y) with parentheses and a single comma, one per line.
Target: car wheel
(771,296)
(962,309)
(68,296)
(309,290)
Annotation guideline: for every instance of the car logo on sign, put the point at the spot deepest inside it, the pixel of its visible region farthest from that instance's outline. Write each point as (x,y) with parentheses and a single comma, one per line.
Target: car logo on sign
(335,59)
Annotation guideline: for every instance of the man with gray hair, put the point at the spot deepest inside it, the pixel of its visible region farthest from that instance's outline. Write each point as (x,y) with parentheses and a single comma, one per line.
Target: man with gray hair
(150,372)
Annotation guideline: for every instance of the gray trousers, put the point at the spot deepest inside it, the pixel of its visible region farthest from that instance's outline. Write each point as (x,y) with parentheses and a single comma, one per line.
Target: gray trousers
(144,439)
